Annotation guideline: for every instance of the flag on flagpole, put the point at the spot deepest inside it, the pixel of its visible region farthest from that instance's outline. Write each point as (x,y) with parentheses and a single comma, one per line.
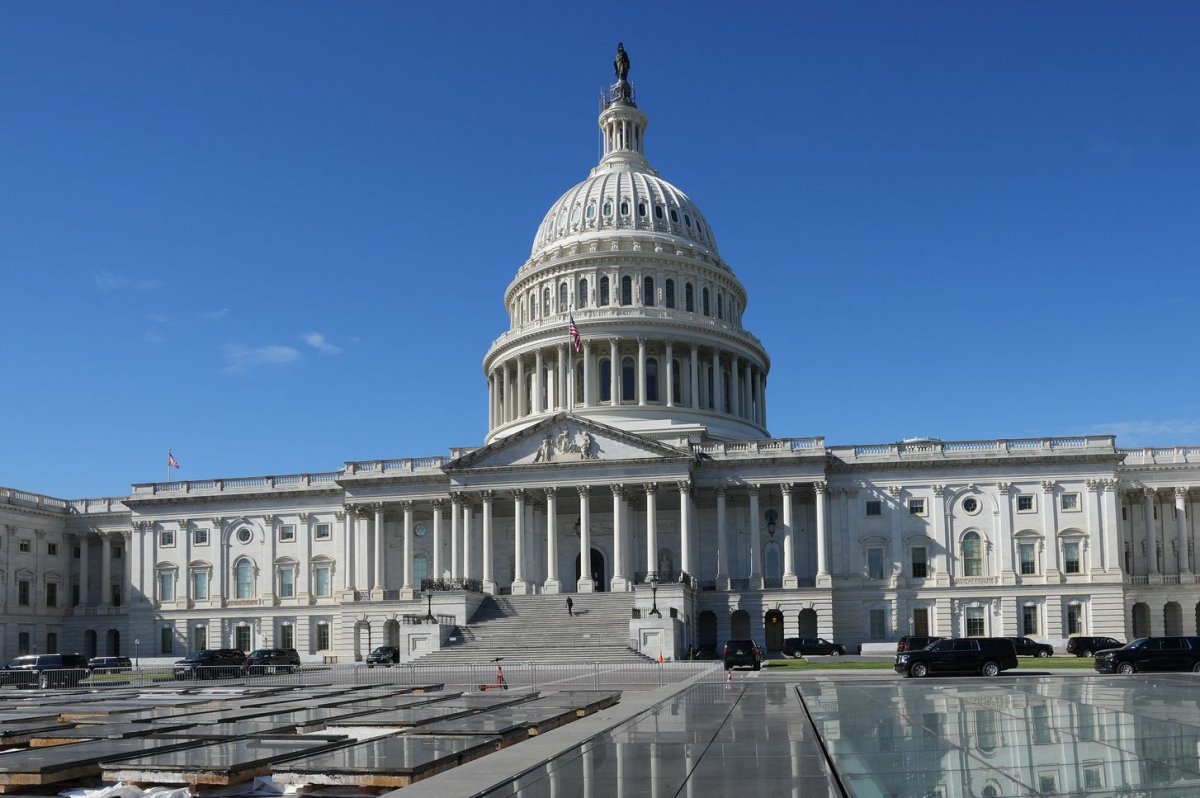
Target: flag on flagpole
(576,341)
(171,461)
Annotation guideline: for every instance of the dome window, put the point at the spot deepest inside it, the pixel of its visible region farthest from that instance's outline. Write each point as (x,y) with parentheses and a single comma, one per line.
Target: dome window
(581,298)
(575,214)
(674,216)
(562,298)
(607,210)
(626,290)
(562,218)
(591,210)
(624,208)
(651,379)
(627,380)
(669,293)
(720,306)
(658,211)
(648,292)
(605,370)
(689,298)
(545,302)
(687,220)
(532,305)
(641,209)
(603,300)
(704,302)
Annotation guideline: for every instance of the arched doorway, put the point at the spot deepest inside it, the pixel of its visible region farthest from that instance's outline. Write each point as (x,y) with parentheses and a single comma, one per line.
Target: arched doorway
(773,630)
(706,631)
(113,646)
(391,633)
(739,625)
(597,570)
(362,640)
(89,642)
(808,623)
(1141,619)
(1173,619)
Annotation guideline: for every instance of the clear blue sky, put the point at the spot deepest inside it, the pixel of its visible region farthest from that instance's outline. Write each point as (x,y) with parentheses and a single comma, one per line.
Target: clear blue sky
(275,236)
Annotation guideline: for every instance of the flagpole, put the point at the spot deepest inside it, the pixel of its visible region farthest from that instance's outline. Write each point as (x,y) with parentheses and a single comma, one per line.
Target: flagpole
(168,479)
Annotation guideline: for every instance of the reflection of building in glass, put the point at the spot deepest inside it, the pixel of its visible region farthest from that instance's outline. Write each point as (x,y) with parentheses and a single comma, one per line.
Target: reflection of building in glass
(641,454)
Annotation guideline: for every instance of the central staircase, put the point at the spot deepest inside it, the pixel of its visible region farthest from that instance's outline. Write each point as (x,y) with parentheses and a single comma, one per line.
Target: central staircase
(538,629)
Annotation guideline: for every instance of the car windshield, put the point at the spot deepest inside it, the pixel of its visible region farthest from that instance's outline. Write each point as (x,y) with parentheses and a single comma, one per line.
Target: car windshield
(1139,643)
(196,656)
(382,650)
(943,645)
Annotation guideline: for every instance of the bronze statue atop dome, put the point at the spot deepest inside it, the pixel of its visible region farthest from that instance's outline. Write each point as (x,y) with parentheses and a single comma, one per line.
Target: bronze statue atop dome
(621,62)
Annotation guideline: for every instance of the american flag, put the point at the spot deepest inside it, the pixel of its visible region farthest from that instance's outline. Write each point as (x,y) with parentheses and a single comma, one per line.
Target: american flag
(576,341)
(171,461)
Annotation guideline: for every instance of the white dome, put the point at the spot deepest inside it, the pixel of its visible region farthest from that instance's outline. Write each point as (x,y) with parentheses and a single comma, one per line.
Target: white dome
(616,199)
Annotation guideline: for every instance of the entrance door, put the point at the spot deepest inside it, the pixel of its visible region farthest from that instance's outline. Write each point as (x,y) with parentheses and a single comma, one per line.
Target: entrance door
(601,584)
(921,622)
(774,630)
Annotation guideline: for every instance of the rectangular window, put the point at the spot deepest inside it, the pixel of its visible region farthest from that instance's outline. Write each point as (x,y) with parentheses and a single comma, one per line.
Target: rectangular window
(323,532)
(1074,619)
(322,637)
(76,553)
(1124,513)
(199,637)
(166,640)
(200,585)
(975,627)
(1028,558)
(116,552)
(916,507)
(115,595)
(1041,723)
(1029,620)
(287,583)
(23,592)
(878,620)
(287,636)
(321,580)
(166,586)
(51,594)
(986,729)
(1093,777)
(241,637)
(287,534)
(1071,557)
(22,643)
(24,545)
(1047,783)
(166,538)
(200,537)
(918,563)
(874,507)
(1025,504)
(52,642)
(1070,502)
(52,549)
(75,595)
(875,563)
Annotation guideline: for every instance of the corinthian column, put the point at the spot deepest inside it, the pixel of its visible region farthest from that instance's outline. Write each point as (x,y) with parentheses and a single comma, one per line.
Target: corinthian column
(755,574)
(489,581)
(789,545)
(551,584)
(406,590)
(652,527)
(685,526)
(519,587)
(822,579)
(1181,528)
(619,582)
(585,584)
(722,542)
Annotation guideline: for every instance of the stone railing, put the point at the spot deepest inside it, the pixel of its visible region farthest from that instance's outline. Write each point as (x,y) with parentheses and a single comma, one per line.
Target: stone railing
(404,465)
(966,449)
(975,581)
(436,585)
(1137,580)
(237,484)
(14,496)
(1177,454)
(778,446)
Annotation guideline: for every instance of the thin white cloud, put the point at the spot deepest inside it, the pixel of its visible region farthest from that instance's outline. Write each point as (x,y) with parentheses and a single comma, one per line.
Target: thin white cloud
(317,341)
(240,359)
(107,281)
(157,318)
(153,337)
(215,315)
(1153,432)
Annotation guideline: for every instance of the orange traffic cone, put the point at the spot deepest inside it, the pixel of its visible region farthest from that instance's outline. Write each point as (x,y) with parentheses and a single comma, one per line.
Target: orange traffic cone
(660,659)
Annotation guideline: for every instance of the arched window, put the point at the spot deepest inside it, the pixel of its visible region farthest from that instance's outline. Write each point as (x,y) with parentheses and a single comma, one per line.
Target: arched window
(627,380)
(708,373)
(720,306)
(689,298)
(607,211)
(725,391)
(575,214)
(658,212)
(420,569)
(243,573)
(603,300)
(532,305)
(676,379)
(972,550)
(669,293)
(704,301)
(591,210)
(624,207)
(651,379)
(545,302)
(642,209)
(687,220)
(674,216)
(562,298)
(627,290)
(648,292)
(581,294)
(605,380)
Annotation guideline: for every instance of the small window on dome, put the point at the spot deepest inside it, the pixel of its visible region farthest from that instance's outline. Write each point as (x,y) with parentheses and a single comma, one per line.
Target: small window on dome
(687,220)
(545,302)
(575,214)
(704,301)
(562,298)
(674,216)
(602,301)
(648,292)
(669,293)
(689,298)
(641,209)
(581,298)
(624,208)
(720,306)
(607,210)
(658,211)
(626,290)
(591,211)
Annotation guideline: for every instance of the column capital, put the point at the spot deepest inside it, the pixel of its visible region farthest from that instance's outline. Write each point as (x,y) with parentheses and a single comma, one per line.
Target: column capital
(268,519)
(487,495)
(339,515)
(895,491)
(721,490)
(684,486)
(940,490)
(551,493)
(1149,493)
(584,490)
(437,503)
(457,497)
(1181,492)
(1048,486)
(650,487)
(786,488)
(407,505)
(1094,485)
(183,524)
(217,522)
(303,518)
(1113,485)
(820,487)
(617,489)
(753,488)
(641,341)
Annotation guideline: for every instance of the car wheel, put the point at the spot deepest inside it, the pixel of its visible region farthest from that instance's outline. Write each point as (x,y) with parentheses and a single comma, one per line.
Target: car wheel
(1196,668)
(1043,653)
(44,680)
(1125,667)
(837,652)
(918,670)
(990,669)
(1085,653)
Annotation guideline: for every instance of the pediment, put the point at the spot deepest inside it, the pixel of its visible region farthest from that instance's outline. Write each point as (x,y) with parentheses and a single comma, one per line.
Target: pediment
(566,439)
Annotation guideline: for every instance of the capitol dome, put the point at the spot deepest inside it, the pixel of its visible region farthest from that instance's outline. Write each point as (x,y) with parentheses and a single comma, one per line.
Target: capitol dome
(625,311)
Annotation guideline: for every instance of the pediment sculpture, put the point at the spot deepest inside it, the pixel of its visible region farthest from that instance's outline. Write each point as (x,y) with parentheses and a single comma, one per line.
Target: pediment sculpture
(566,446)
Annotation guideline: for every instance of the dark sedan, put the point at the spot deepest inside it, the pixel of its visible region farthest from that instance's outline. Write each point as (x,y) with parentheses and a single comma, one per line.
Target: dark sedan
(799,646)
(1152,654)
(1031,648)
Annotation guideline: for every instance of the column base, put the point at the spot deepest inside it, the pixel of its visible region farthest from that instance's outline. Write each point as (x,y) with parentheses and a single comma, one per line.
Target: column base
(521,588)
(722,581)
(489,587)
(619,584)
(348,594)
(551,587)
(376,594)
(407,593)
(790,581)
(823,580)
(585,586)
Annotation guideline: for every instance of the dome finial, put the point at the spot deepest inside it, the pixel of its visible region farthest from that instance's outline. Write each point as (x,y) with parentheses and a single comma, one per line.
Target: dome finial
(621,91)
(621,63)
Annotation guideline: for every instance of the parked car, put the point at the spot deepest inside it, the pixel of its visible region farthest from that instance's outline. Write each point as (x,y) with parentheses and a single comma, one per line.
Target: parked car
(211,663)
(1152,654)
(109,664)
(910,643)
(984,655)
(799,646)
(1087,646)
(272,660)
(45,670)
(386,656)
(1031,648)
(742,653)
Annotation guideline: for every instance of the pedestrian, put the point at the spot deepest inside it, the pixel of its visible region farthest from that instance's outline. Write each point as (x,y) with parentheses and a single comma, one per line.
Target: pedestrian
(570,606)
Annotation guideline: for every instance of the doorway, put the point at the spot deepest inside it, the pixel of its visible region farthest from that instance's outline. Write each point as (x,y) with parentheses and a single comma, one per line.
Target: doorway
(598,580)
(807,622)
(773,630)
(920,627)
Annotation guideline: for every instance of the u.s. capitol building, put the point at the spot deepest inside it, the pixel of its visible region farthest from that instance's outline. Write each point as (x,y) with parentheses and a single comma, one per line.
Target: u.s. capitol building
(638,453)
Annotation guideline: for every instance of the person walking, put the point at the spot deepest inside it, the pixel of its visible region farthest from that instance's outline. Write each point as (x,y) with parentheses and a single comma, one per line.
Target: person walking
(570,606)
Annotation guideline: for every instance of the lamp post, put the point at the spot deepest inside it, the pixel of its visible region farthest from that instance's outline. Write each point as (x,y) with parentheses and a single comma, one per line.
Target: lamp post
(429,606)
(654,598)
(136,643)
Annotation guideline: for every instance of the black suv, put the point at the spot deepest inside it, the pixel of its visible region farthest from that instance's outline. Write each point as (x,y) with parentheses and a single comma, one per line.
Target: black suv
(910,643)
(1086,646)
(1031,648)
(272,660)
(984,655)
(45,670)
(799,646)
(1152,654)
(741,652)
(211,663)
(109,664)
(386,656)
